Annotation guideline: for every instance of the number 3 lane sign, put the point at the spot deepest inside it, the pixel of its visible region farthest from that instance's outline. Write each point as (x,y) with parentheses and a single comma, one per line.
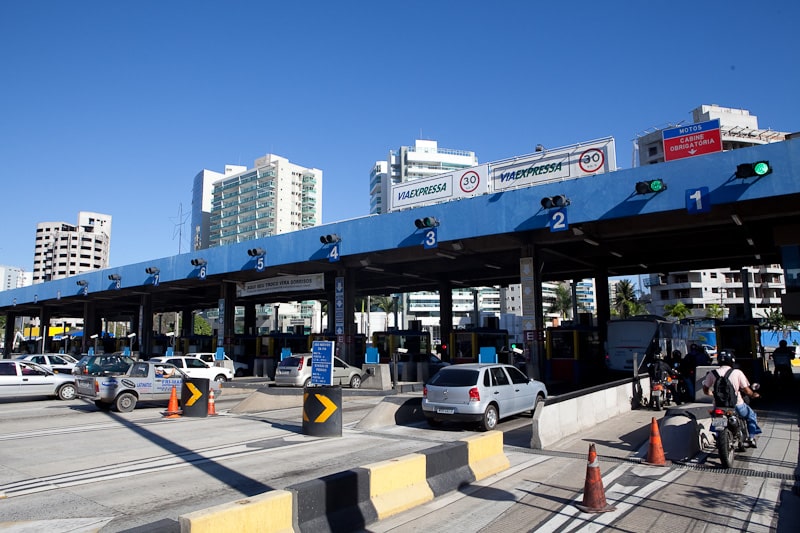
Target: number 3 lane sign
(558,220)
(698,200)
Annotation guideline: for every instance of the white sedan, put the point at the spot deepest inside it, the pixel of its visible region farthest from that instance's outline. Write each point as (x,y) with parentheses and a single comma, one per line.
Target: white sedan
(197,368)
(56,362)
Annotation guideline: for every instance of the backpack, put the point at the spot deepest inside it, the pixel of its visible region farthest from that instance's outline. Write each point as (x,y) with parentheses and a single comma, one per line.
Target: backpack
(724,393)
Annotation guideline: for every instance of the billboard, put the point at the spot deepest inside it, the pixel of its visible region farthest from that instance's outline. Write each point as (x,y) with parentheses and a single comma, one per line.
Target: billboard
(575,161)
(441,188)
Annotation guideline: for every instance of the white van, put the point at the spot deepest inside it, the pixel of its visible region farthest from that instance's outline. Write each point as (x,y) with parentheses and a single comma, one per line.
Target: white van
(239,369)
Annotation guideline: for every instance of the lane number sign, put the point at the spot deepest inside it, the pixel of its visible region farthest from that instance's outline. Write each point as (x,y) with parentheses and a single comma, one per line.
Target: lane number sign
(558,220)
(430,239)
(698,200)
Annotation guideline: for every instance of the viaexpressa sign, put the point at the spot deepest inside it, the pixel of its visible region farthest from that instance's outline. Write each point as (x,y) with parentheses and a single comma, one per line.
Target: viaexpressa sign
(569,162)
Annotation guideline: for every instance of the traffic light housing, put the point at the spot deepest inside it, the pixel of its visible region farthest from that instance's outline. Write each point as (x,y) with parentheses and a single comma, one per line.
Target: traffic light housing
(650,186)
(426,222)
(256,252)
(329,239)
(199,261)
(550,202)
(753,170)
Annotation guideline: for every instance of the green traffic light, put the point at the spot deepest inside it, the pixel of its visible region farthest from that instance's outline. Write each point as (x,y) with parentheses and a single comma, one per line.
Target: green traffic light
(656,185)
(761,168)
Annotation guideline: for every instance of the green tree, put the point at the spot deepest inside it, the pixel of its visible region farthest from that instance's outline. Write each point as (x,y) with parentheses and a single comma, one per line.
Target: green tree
(385,304)
(677,310)
(625,299)
(715,311)
(563,302)
(774,319)
(201,326)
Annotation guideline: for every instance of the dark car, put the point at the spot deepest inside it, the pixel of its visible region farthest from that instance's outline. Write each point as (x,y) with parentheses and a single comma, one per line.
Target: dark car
(103,365)
(410,364)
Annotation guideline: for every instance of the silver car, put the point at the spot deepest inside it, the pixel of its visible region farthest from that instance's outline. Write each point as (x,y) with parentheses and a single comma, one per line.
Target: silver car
(296,371)
(482,393)
(22,378)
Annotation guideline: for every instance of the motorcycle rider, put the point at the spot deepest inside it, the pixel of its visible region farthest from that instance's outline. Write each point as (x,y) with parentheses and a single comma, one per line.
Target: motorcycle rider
(782,357)
(742,386)
(659,370)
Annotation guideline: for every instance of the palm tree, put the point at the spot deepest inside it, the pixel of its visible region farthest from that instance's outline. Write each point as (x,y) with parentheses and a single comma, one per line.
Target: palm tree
(625,298)
(563,302)
(677,310)
(715,311)
(385,304)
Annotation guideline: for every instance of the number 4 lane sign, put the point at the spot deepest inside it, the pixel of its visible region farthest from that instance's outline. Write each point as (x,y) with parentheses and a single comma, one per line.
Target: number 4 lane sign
(698,200)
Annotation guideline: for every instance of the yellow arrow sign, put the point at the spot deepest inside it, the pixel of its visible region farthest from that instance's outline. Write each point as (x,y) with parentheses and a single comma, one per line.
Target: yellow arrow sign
(305,416)
(196,394)
(330,407)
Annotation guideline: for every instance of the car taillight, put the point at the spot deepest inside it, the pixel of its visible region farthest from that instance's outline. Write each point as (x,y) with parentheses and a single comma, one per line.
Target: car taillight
(96,387)
(474,394)
(424,391)
(300,366)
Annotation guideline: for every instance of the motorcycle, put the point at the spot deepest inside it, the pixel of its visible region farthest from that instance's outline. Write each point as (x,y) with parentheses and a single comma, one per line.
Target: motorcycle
(670,389)
(731,432)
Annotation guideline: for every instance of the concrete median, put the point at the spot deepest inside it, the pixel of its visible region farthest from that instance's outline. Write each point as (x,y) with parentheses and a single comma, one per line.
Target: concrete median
(339,502)
(398,484)
(270,512)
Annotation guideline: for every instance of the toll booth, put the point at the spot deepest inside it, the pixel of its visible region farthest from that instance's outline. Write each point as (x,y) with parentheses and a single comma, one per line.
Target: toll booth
(274,343)
(744,340)
(465,344)
(574,356)
(387,342)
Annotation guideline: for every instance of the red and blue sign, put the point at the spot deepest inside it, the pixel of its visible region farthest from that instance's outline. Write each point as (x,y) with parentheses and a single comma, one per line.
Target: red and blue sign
(692,140)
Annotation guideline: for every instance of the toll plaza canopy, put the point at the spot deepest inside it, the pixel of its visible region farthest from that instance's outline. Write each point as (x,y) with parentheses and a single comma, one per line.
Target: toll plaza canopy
(705,212)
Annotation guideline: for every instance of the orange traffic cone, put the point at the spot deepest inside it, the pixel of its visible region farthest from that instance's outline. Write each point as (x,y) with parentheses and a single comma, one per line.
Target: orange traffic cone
(212,408)
(594,496)
(655,453)
(173,411)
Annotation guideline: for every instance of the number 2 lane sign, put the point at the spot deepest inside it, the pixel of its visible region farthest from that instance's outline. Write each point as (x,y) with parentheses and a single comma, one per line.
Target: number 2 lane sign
(558,220)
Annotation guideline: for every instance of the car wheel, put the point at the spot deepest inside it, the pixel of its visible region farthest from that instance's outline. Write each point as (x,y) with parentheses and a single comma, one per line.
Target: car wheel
(307,382)
(125,402)
(490,418)
(539,399)
(239,373)
(355,382)
(220,379)
(67,392)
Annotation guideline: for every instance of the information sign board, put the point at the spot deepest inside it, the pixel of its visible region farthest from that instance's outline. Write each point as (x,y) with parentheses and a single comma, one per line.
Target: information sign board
(322,362)
(695,139)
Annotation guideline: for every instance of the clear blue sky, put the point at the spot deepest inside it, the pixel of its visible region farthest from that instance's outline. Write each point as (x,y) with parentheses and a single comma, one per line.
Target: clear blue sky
(114,107)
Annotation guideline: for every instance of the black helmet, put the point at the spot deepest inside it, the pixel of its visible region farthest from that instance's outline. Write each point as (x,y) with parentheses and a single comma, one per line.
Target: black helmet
(725,359)
(659,355)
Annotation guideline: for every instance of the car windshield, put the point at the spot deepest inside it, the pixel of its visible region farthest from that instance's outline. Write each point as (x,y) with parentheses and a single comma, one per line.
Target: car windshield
(454,378)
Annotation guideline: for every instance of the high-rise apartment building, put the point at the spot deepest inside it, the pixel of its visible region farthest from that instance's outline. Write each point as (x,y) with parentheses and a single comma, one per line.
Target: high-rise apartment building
(62,249)
(408,163)
(13,278)
(275,196)
(699,289)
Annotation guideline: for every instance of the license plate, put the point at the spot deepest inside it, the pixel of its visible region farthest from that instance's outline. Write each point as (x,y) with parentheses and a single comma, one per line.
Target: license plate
(718,423)
(441,411)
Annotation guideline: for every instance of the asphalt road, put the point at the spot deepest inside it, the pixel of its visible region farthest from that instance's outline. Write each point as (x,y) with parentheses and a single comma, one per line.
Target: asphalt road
(65,466)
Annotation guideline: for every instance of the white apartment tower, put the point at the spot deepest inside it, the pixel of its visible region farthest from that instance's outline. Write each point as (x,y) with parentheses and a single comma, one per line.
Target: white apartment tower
(275,196)
(63,250)
(408,163)
(699,289)
(13,278)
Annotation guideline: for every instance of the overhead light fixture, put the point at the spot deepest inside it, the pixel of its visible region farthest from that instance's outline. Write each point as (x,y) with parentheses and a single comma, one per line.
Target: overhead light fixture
(373,268)
(152,270)
(577,231)
(750,241)
(458,245)
(643,266)
(736,220)
(364,262)
(131,335)
(616,254)
(445,255)
(758,257)
(410,275)
(590,241)
(496,267)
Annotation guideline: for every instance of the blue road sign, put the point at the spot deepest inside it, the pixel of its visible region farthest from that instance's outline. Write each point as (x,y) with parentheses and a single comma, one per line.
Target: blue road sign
(698,200)
(322,363)
(558,220)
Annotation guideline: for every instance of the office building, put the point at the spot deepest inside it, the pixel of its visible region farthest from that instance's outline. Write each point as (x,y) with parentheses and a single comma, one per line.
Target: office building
(62,249)
(699,289)
(13,278)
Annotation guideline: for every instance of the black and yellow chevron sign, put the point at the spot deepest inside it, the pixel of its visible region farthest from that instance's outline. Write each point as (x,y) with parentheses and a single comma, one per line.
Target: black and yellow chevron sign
(320,410)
